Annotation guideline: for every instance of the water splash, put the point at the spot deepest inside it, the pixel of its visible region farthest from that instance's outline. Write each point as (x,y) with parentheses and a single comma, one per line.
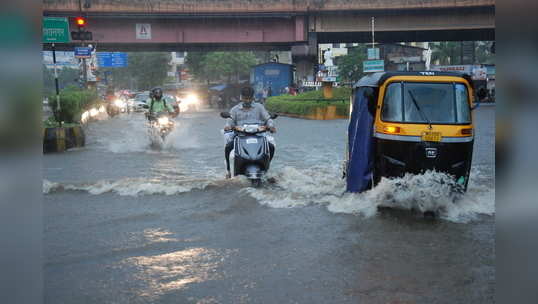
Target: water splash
(431,191)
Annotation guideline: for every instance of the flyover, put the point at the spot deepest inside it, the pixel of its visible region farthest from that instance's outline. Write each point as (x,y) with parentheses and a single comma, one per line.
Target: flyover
(186,25)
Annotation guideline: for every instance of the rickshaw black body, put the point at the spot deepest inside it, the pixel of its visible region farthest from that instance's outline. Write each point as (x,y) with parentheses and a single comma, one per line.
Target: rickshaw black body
(396,158)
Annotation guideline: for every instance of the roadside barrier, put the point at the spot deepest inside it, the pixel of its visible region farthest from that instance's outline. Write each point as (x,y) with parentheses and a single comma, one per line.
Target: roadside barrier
(61,139)
(74,137)
(321,113)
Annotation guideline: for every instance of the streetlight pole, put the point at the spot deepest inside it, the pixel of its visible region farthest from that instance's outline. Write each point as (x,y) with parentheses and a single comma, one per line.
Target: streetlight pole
(80,30)
(57,85)
(373,32)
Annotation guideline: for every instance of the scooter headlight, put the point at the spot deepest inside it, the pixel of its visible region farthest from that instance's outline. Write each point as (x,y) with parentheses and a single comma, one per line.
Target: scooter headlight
(251,129)
(163,121)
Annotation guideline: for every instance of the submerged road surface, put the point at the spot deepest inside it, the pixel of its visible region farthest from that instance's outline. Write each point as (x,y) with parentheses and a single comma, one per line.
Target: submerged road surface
(125,223)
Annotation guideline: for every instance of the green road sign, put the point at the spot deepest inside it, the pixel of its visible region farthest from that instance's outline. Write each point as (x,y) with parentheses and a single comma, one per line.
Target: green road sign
(55,30)
(370,66)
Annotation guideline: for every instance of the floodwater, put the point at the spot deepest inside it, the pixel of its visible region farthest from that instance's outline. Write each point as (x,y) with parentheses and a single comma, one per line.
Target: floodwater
(128,223)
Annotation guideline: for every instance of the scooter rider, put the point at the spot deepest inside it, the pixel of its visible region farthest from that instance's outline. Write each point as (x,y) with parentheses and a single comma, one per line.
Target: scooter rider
(157,103)
(247,111)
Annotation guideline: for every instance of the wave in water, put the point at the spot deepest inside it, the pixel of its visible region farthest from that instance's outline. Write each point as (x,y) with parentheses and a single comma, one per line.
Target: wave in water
(130,186)
(431,191)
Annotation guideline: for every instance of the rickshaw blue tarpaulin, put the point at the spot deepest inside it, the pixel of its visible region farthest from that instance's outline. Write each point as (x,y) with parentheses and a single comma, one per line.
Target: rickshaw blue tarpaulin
(359,166)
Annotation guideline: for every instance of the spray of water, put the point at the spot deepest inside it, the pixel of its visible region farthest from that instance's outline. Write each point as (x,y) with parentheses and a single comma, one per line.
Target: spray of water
(431,191)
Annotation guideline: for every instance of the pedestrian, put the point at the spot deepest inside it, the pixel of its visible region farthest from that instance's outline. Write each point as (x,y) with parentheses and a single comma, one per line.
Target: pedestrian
(265,94)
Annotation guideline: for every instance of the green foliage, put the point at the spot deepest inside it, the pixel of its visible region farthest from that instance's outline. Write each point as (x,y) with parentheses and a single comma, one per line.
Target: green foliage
(449,53)
(66,77)
(306,103)
(52,123)
(341,93)
(144,71)
(74,102)
(220,65)
(483,52)
(350,65)
(446,53)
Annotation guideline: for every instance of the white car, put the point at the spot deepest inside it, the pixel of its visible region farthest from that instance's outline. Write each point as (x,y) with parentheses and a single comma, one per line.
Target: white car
(139,102)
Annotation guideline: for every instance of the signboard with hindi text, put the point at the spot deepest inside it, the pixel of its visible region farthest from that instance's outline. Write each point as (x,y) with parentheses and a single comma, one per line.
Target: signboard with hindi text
(55,30)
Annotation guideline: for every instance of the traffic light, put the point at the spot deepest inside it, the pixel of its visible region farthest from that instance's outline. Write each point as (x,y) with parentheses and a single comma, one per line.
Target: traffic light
(80,21)
(81,36)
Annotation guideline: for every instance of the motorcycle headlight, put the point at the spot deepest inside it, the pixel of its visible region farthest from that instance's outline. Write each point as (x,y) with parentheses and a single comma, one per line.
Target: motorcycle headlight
(94,112)
(163,121)
(119,103)
(192,99)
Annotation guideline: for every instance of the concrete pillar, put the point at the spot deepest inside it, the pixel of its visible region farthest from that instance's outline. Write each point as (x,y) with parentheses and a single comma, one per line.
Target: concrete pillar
(305,58)
(304,69)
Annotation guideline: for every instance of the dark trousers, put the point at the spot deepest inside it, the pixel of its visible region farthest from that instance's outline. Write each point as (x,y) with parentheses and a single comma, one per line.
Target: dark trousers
(229,147)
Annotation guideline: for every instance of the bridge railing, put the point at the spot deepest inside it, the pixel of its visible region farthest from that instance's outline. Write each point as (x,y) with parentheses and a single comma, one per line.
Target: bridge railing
(248,7)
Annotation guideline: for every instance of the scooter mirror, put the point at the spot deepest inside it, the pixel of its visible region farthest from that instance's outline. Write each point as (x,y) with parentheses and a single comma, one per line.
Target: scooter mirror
(274,116)
(225,115)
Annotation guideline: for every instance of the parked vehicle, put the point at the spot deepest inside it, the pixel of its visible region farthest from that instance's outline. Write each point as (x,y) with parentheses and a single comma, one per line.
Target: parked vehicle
(140,101)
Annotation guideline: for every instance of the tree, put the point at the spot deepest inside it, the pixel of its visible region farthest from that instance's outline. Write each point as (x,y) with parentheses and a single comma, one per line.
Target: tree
(350,65)
(483,52)
(449,53)
(446,53)
(220,65)
(66,77)
(145,70)
(194,61)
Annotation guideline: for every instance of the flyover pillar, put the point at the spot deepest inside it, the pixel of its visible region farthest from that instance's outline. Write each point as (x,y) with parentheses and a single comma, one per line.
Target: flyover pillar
(305,58)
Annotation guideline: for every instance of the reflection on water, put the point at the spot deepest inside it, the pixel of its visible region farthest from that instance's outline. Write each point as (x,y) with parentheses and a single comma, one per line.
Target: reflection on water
(174,271)
(158,236)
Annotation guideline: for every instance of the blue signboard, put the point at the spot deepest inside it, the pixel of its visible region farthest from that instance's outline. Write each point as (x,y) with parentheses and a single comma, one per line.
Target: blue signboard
(83,52)
(373,53)
(370,66)
(112,60)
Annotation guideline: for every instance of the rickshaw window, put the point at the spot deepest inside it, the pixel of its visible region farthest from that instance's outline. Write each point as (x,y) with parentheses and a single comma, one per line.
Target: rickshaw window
(461,98)
(393,103)
(457,106)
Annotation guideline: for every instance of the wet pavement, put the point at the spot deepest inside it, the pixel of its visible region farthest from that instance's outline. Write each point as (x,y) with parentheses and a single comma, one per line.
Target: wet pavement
(125,223)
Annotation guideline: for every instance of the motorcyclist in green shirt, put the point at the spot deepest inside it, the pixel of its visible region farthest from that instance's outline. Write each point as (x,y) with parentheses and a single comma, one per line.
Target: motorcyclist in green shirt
(158,103)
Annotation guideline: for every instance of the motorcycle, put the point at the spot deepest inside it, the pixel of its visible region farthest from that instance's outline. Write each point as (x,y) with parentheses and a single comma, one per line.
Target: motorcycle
(251,154)
(162,124)
(117,107)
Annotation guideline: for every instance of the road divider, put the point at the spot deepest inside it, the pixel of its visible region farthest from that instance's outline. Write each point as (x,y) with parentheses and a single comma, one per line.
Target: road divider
(312,105)
(60,139)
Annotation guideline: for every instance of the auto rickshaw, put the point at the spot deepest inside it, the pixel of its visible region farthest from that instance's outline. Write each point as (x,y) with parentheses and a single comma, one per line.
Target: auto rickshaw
(409,122)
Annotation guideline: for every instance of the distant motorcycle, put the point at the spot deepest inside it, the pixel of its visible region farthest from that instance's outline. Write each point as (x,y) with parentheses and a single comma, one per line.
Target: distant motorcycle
(251,155)
(117,107)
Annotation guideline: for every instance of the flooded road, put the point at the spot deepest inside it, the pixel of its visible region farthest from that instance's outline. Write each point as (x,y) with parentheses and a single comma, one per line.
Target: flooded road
(125,223)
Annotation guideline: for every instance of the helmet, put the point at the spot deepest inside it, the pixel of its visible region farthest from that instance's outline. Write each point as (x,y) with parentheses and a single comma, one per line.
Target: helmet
(157,93)
(247,95)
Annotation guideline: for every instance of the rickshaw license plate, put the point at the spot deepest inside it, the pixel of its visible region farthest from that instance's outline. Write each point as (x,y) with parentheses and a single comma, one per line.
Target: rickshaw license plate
(431,136)
(252,141)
